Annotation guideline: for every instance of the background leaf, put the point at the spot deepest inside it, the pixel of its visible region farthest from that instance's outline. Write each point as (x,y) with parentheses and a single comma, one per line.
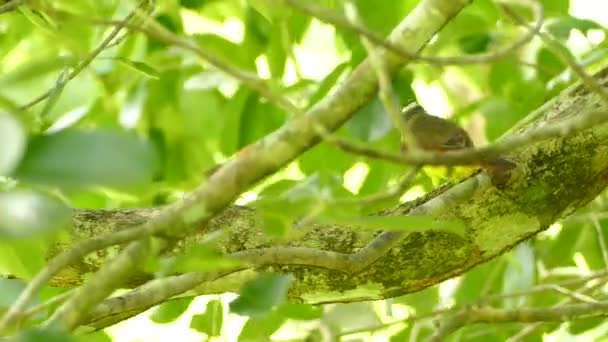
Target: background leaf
(89,158)
(261,294)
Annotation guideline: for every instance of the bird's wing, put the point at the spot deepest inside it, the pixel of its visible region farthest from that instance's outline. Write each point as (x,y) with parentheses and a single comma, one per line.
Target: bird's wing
(458,141)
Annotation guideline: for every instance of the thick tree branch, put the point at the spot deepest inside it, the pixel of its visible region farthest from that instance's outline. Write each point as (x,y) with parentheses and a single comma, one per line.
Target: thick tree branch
(267,155)
(552,185)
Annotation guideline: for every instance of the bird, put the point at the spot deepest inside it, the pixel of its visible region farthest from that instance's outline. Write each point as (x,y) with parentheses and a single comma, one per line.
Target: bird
(432,133)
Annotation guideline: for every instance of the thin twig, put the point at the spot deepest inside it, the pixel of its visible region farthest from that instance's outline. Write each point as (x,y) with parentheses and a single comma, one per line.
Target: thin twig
(10,6)
(577,295)
(590,286)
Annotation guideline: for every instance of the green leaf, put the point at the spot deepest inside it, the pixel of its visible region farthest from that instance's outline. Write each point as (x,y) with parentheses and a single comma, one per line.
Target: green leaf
(503,75)
(561,27)
(210,322)
(552,65)
(351,316)
(270,9)
(232,112)
(97,336)
(260,295)
(258,119)
(520,274)
(466,23)
(275,53)
(261,328)
(482,280)
(9,290)
(301,312)
(423,301)
(588,245)
(37,18)
(74,158)
(197,258)
(37,335)
(276,224)
(192,4)
(555,7)
(328,83)
(475,43)
(281,203)
(381,18)
(370,122)
(26,213)
(170,311)
(140,67)
(584,325)
(12,143)
(227,51)
(23,257)
(500,116)
(325,159)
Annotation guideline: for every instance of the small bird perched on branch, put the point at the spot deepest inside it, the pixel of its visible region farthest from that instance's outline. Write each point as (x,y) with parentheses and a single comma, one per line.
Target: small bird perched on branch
(433,133)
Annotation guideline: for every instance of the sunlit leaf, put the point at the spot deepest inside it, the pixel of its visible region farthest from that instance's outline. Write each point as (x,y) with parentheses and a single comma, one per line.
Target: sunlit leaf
(198,258)
(260,295)
(170,311)
(12,143)
(210,322)
(23,257)
(483,280)
(74,158)
(26,213)
(561,27)
(371,122)
(261,328)
(303,312)
(226,50)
